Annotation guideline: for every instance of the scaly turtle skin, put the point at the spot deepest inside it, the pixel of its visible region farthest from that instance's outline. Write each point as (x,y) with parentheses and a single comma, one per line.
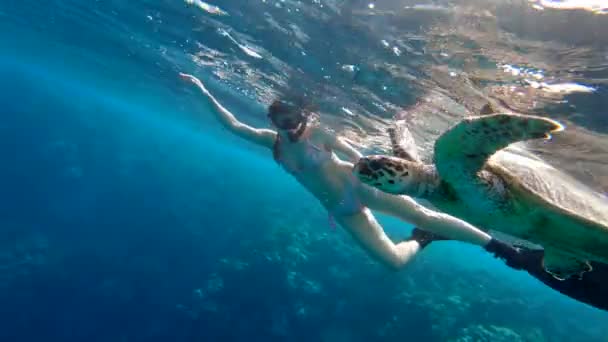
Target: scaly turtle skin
(476,180)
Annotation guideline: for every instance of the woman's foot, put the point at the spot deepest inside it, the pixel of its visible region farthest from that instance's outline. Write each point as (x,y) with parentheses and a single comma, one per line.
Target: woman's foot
(424,238)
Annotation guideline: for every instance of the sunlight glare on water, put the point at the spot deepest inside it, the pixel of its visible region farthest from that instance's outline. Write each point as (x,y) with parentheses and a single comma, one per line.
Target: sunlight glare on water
(595,6)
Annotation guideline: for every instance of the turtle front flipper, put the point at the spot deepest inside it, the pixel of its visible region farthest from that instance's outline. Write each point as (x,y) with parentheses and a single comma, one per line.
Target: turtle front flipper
(402,142)
(563,266)
(463,150)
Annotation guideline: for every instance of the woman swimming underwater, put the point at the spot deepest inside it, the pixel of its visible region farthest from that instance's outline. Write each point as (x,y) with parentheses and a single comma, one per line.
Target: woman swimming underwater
(306,151)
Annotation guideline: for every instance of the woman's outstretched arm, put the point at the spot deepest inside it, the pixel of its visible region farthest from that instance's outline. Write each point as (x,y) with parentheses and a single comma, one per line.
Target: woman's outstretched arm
(260,136)
(339,144)
(347,149)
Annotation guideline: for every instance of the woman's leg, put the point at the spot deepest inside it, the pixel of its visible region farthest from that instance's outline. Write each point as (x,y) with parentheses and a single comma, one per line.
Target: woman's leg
(410,211)
(369,234)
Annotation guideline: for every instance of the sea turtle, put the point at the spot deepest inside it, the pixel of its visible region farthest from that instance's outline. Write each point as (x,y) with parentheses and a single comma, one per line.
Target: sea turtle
(477,180)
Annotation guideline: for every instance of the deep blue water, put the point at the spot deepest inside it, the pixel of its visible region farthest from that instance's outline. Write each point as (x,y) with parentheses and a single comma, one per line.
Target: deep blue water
(128,214)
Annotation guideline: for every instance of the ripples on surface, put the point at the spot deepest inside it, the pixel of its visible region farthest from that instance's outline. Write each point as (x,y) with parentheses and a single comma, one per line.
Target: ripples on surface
(430,64)
(363,63)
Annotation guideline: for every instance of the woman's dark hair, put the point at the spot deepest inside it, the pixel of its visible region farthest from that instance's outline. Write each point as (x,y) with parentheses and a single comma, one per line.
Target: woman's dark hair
(278,107)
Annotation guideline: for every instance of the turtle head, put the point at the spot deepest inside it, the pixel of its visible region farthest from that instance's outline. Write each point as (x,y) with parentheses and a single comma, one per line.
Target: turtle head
(390,174)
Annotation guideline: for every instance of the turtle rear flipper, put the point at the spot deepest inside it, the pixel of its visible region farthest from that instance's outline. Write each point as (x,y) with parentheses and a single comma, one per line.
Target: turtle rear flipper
(563,266)
(463,150)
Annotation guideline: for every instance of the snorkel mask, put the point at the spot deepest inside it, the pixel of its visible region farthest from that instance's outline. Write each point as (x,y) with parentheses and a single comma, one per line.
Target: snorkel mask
(287,115)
